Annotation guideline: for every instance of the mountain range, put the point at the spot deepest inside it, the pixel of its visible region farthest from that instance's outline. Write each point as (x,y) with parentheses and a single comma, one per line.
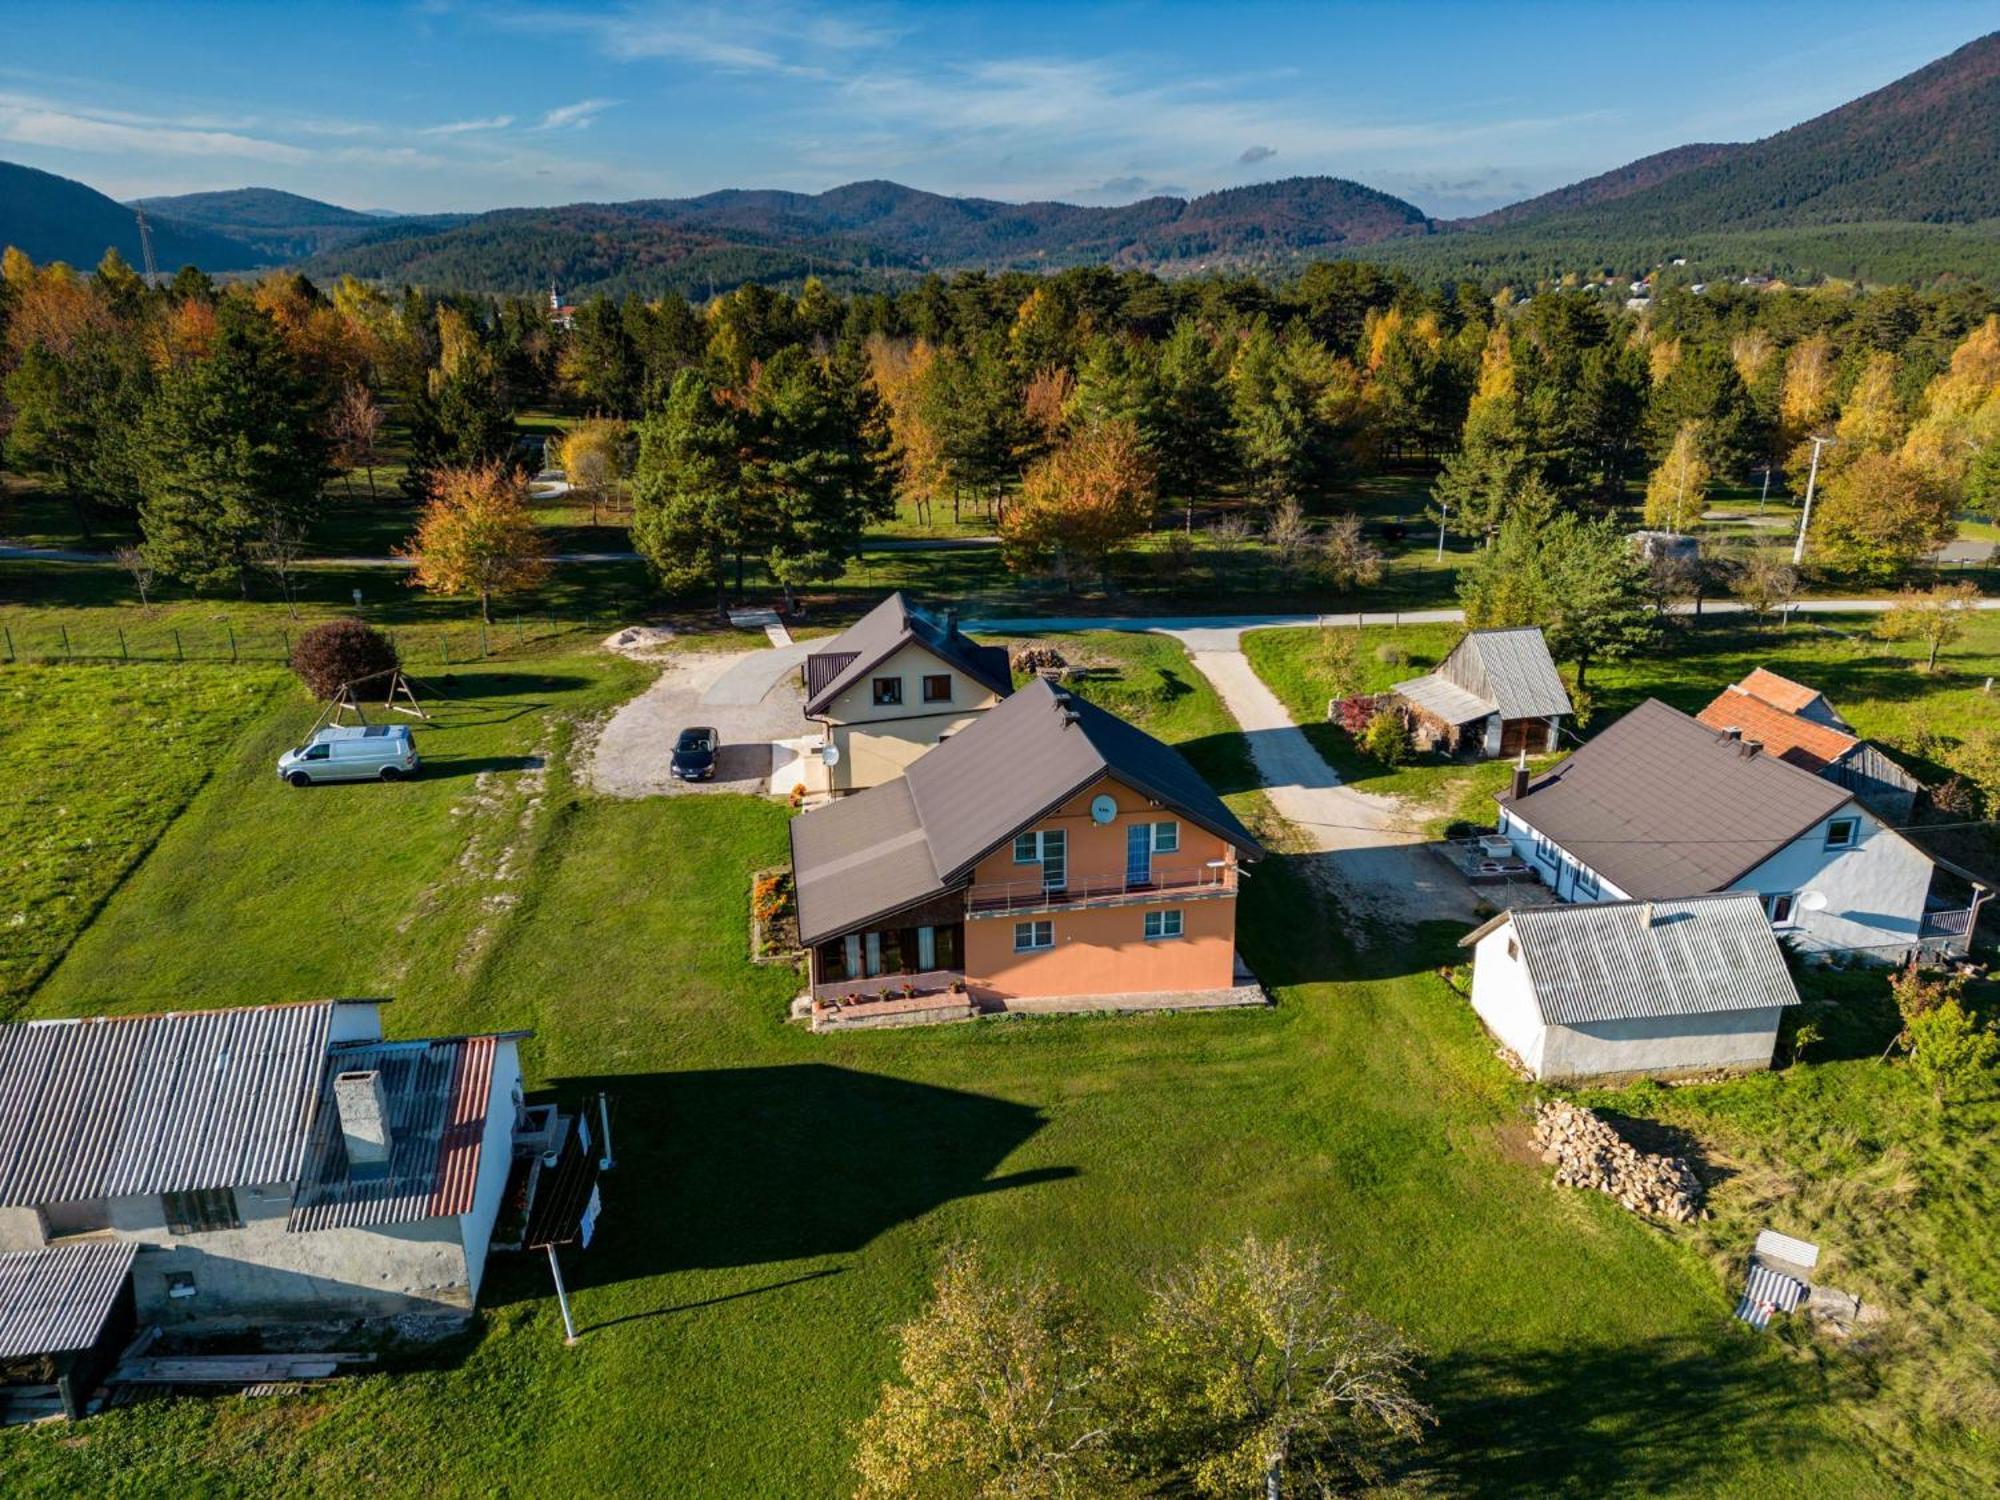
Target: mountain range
(1903,181)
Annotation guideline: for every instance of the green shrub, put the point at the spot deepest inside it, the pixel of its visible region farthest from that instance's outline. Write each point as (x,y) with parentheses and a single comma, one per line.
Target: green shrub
(1387,738)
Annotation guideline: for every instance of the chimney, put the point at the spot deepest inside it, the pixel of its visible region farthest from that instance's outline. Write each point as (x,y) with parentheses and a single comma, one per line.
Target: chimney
(364,1121)
(1521,777)
(1751,747)
(1733,732)
(951,620)
(1646,915)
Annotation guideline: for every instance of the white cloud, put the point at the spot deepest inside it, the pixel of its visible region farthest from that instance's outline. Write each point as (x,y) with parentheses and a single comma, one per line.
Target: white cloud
(575,116)
(470,127)
(36,122)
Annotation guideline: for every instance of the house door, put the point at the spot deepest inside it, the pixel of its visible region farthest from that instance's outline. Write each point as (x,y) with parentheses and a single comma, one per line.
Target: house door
(1516,735)
(1138,853)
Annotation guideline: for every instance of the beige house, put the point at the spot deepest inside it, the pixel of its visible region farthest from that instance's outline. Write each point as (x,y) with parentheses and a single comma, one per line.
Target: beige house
(890,687)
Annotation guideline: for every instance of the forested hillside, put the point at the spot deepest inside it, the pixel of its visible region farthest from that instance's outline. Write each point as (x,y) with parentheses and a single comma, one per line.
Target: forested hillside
(278,226)
(52,218)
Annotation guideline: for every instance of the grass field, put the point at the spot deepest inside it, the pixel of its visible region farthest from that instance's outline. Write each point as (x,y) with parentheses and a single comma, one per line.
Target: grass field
(781,1198)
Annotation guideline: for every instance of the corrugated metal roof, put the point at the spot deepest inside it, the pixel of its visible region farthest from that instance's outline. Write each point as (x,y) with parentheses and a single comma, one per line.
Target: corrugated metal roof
(153,1104)
(1513,669)
(892,845)
(437,1093)
(56,1300)
(887,628)
(1767,1292)
(1444,699)
(1660,805)
(1631,960)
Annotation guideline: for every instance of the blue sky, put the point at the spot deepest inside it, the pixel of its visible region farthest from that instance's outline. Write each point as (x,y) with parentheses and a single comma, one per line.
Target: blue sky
(446,105)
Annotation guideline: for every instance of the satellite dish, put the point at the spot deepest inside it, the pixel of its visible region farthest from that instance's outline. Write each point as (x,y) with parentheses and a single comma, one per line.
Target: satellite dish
(1812,901)
(830,754)
(1103,808)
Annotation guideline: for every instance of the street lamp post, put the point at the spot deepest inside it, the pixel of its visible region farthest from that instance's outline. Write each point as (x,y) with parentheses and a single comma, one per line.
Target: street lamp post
(1805,516)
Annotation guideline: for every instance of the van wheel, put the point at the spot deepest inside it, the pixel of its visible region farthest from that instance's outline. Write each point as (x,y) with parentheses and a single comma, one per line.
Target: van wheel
(299,778)
(391,773)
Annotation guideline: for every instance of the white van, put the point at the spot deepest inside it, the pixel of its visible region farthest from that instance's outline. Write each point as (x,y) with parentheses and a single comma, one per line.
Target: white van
(352,752)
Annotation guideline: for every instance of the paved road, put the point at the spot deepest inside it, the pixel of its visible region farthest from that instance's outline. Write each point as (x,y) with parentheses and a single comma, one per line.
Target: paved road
(1370,852)
(11,550)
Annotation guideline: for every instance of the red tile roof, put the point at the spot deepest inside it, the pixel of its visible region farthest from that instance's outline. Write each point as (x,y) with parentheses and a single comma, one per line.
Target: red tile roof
(1810,746)
(1780,692)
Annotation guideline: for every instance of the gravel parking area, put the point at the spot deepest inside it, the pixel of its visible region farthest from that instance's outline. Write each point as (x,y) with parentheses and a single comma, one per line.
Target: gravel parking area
(631,756)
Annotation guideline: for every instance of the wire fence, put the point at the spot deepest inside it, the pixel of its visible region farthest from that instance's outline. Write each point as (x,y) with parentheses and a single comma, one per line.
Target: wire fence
(421,647)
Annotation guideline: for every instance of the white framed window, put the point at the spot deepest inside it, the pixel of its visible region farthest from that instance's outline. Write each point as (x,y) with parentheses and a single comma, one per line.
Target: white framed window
(1031,936)
(1781,907)
(1545,851)
(1163,924)
(1048,848)
(1166,838)
(1843,833)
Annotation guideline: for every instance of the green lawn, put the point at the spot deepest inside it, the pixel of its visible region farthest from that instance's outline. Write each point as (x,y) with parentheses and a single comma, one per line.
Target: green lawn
(781,1198)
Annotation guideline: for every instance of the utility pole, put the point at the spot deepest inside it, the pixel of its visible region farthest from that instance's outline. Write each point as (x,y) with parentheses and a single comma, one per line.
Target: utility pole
(1805,516)
(146,250)
(1444,510)
(1767,490)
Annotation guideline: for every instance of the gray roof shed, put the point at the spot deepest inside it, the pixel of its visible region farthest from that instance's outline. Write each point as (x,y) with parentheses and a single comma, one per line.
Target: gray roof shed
(56,1300)
(113,1105)
(1634,960)
(1662,806)
(1508,672)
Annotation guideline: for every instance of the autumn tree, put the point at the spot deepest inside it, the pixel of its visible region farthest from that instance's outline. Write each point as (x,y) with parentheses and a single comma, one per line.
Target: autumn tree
(1871,418)
(1806,393)
(1767,582)
(477,537)
(1082,502)
(1959,430)
(1253,1370)
(1876,515)
(1677,491)
(356,428)
(998,1394)
(1935,618)
(592,455)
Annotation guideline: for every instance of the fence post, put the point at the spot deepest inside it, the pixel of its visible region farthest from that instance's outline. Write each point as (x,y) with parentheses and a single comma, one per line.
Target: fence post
(123,654)
(482,638)
(232,639)
(179,654)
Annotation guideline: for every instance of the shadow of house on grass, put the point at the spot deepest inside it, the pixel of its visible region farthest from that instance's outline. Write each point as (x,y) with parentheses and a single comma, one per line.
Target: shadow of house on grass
(1601,1420)
(736,1167)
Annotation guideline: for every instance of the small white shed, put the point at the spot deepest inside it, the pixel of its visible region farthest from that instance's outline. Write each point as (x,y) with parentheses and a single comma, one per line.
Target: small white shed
(1630,989)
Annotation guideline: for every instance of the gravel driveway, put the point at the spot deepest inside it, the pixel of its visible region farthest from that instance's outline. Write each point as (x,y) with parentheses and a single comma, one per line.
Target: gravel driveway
(632,754)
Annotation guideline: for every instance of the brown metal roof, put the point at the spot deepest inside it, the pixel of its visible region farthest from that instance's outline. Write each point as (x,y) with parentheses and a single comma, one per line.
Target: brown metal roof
(893,845)
(114,1105)
(860,857)
(1661,805)
(438,1092)
(57,1299)
(886,629)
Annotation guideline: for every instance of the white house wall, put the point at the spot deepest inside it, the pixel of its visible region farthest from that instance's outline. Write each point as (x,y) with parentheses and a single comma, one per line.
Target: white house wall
(877,743)
(1504,999)
(1561,875)
(1875,891)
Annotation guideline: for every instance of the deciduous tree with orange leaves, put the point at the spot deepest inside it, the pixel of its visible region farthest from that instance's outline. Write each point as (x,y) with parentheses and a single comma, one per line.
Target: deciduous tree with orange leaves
(1081,503)
(477,537)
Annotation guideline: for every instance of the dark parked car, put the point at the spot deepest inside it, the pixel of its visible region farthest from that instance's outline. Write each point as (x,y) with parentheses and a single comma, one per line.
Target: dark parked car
(694,754)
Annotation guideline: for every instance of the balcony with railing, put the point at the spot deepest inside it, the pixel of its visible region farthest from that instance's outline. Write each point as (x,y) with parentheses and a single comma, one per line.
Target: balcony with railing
(1008,897)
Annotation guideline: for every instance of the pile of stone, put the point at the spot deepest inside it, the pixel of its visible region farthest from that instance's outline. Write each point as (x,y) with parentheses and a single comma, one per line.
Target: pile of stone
(1587,1153)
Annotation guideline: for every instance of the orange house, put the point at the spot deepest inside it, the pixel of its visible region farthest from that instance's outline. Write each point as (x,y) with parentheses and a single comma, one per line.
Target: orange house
(1046,851)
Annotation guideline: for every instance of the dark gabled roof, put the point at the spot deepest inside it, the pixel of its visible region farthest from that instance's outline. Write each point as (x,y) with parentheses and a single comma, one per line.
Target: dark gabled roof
(886,629)
(437,1092)
(1034,752)
(905,841)
(1635,960)
(860,857)
(116,1105)
(1661,806)
(58,1299)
